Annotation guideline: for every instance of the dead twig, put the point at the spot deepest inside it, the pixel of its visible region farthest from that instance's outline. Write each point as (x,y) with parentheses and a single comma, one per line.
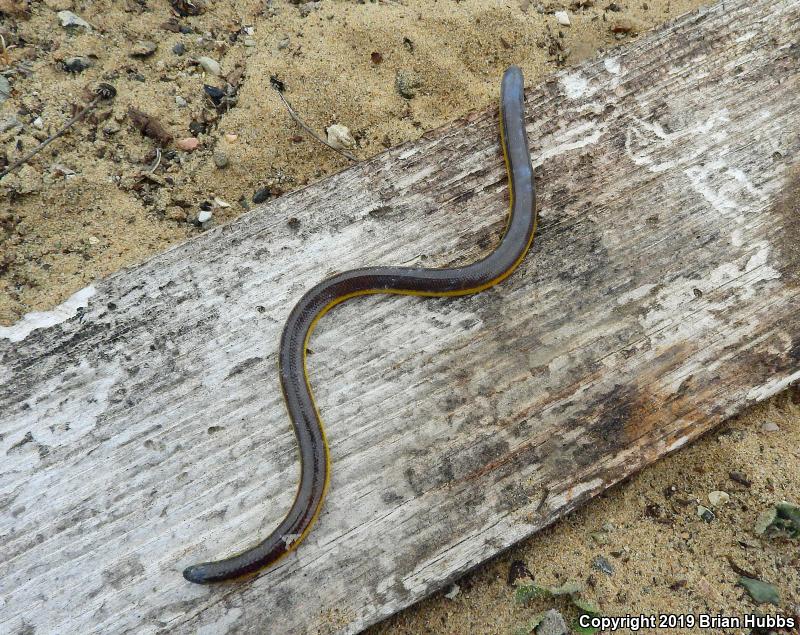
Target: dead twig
(149,126)
(101,93)
(296,117)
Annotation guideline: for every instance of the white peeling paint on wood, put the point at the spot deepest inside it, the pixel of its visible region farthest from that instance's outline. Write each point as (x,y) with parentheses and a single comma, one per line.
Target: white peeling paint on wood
(612,65)
(148,432)
(576,86)
(773,386)
(588,133)
(45,319)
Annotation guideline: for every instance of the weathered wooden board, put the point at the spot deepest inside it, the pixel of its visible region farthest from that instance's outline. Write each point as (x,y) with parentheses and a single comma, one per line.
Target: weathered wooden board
(147,431)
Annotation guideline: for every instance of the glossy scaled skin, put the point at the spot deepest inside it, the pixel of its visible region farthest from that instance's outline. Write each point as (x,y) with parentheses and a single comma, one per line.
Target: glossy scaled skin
(314,456)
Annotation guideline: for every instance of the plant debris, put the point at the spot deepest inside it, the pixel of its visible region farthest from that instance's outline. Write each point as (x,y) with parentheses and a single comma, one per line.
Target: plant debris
(527,592)
(761,592)
(149,126)
(517,571)
(568,588)
(530,625)
(572,589)
(739,477)
(740,570)
(187,8)
(100,93)
(783,518)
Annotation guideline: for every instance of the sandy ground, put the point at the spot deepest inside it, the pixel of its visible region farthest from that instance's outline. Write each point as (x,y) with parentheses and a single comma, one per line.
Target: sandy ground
(106,196)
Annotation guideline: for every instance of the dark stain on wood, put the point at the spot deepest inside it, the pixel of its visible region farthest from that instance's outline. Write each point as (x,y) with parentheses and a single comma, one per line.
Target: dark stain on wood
(244,365)
(786,211)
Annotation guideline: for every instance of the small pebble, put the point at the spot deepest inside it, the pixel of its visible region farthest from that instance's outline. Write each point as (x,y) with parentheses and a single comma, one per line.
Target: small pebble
(220,159)
(563,18)
(143,48)
(717,498)
(769,426)
(71,21)
(5,89)
(210,66)
(705,513)
(38,123)
(188,144)
(407,82)
(601,538)
(9,122)
(111,128)
(601,564)
(172,25)
(180,102)
(204,216)
(231,137)
(284,43)
(453,592)
(552,624)
(261,195)
(216,95)
(77,64)
(179,48)
(249,41)
(339,137)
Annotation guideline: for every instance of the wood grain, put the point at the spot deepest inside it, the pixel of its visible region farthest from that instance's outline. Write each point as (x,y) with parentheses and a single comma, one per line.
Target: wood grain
(142,427)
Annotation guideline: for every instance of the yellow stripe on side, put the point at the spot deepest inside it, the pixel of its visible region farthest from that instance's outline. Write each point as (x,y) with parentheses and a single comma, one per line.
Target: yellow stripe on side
(429,294)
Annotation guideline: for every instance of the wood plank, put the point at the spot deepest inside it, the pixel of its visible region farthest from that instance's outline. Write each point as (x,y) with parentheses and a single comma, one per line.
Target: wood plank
(147,431)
